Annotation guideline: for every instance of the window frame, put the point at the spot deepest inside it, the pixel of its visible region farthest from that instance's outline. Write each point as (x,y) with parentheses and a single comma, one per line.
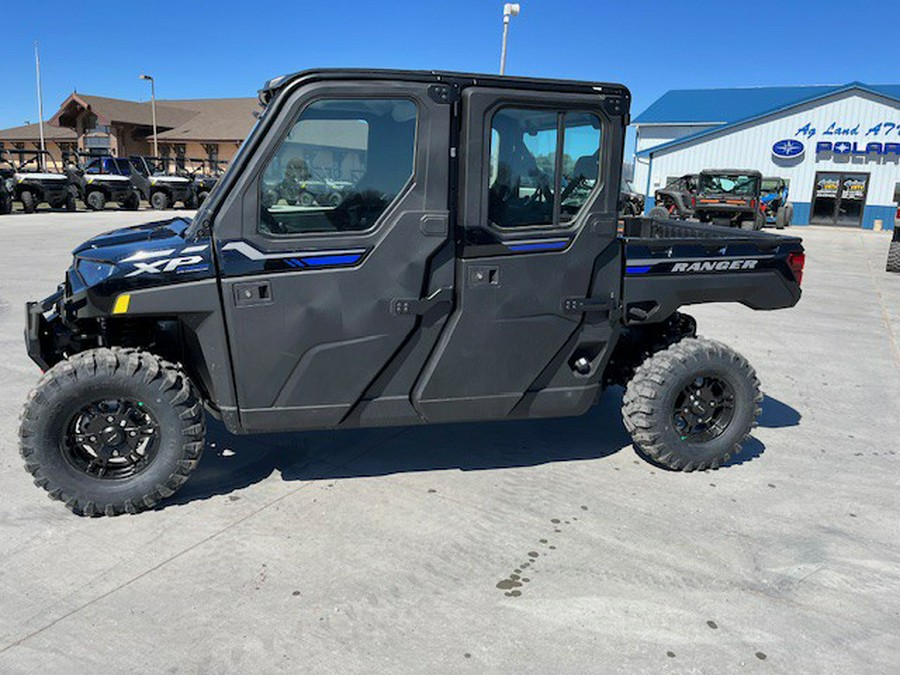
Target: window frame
(561,110)
(276,146)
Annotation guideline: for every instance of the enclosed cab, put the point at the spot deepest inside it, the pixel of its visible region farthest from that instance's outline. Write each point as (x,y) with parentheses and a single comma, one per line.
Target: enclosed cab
(731,198)
(473,270)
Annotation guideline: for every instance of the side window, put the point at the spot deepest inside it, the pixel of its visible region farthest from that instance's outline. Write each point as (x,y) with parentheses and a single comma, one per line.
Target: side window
(340,167)
(530,181)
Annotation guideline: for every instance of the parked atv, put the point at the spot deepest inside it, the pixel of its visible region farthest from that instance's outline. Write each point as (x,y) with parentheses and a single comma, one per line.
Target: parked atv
(676,199)
(774,201)
(97,180)
(730,197)
(204,175)
(159,187)
(36,179)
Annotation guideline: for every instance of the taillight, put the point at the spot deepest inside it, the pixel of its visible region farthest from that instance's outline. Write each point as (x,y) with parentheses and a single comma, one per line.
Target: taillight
(753,204)
(796,261)
(693,202)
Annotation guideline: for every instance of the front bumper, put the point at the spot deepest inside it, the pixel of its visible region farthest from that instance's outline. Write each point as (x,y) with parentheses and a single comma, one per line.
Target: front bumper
(42,326)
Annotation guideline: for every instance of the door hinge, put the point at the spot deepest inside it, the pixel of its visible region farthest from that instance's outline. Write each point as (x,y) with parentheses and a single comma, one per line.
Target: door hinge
(420,306)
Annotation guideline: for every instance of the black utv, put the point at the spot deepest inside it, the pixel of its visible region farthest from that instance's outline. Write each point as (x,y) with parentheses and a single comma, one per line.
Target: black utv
(466,275)
(33,178)
(100,179)
(676,199)
(204,175)
(731,198)
(158,186)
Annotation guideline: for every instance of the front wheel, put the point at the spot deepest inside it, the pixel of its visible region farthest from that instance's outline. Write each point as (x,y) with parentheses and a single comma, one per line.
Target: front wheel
(95,200)
(29,201)
(159,200)
(691,406)
(110,431)
(658,213)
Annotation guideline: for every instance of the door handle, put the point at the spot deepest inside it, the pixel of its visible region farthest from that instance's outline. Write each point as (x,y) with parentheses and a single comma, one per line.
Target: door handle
(420,306)
(252,293)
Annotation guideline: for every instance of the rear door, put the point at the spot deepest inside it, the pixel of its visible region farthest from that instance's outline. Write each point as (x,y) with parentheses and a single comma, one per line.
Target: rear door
(538,268)
(326,248)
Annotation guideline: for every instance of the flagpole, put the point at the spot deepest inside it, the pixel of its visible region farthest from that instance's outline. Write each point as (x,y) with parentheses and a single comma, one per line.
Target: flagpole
(40,98)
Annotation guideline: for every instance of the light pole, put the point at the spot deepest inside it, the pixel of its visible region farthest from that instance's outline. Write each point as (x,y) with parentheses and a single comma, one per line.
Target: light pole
(510,9)
(153,108)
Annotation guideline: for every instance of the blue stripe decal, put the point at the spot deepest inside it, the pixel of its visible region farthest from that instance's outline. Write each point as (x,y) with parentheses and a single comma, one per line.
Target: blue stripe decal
(293,262)
(539,246)
(333,260)
(637,270)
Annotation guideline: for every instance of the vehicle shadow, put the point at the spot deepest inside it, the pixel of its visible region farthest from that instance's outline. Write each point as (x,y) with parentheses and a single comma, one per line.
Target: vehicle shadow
(231,463)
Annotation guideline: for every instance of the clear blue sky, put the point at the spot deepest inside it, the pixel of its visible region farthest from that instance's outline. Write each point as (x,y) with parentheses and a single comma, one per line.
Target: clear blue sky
(200,48)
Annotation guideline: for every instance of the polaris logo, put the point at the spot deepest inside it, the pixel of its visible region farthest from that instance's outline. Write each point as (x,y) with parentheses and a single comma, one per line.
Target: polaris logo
(715,266)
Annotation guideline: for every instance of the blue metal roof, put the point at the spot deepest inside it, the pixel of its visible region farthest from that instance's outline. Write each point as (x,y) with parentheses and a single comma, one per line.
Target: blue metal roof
(726,106)
(738,106)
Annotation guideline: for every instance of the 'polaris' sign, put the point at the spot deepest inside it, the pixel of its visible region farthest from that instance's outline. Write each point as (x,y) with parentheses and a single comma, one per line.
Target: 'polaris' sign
(857,148)
(788,149)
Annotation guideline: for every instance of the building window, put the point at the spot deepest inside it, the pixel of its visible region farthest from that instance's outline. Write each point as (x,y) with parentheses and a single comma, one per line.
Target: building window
(531,182)
(340,167)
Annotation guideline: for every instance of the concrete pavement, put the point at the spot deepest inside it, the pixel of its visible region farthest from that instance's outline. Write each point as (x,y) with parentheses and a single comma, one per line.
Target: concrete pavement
(408,550)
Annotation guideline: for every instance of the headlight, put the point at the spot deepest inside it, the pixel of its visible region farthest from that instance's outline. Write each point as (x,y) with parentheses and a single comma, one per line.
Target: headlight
(93,271)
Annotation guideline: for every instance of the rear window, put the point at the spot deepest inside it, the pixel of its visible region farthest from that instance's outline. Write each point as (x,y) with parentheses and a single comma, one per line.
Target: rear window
(732,184)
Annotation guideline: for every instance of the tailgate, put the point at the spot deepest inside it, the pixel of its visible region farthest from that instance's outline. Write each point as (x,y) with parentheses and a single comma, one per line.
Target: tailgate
(675,263)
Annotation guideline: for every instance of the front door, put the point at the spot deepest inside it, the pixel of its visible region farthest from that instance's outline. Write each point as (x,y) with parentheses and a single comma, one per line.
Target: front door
(538,271)
(328,247)
(839,199)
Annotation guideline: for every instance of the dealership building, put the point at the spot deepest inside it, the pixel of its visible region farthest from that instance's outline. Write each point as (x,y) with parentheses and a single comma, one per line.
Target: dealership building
(837,146)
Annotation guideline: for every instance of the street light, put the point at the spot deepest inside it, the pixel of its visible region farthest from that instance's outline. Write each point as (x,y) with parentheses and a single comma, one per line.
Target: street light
(153,108)
(510,9)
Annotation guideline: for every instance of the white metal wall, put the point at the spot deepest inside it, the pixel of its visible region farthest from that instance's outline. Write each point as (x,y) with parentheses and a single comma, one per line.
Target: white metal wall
(750,147)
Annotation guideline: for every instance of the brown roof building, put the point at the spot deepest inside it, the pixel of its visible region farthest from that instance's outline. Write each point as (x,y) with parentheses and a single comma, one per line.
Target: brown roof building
(204,128)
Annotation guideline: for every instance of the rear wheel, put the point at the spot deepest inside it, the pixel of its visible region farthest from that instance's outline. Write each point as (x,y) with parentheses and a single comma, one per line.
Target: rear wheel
(159,200)
(29,201)
(692,405)
(658,213)
(306,199)
(893,260)
(110,431)
(95,200)
(201,197)
(748,224)
(70,202)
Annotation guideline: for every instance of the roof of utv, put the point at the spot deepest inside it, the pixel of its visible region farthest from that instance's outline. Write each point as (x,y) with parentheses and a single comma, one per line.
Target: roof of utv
(461,80)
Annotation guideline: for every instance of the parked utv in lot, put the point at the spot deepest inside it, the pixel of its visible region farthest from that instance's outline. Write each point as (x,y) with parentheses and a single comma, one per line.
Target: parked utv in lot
(774,200)
(631,202)
(97,180)
(482,289)
(35,179)
(676,199)
(159,187)
(730,197)
(6,200)
(204,175)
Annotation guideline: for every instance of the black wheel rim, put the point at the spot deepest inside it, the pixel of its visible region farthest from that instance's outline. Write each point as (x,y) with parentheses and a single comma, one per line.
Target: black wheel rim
(703,409)
(112,438)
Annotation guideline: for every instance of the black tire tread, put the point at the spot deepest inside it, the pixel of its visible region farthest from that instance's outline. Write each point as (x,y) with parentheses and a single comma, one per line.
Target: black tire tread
(639,405)
(166,376)
(893,259)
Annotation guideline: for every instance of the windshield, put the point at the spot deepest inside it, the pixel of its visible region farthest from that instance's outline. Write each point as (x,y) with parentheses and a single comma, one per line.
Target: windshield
(771,185)
(733,184)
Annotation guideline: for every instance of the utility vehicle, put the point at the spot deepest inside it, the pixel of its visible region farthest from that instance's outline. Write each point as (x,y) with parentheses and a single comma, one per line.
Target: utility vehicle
(159,187)
(99,179)
(36,179)
(631,202)
(730,197)
(204,175)
(893,259)
(676,199)
(774,202)
(457,280)
(6,200)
